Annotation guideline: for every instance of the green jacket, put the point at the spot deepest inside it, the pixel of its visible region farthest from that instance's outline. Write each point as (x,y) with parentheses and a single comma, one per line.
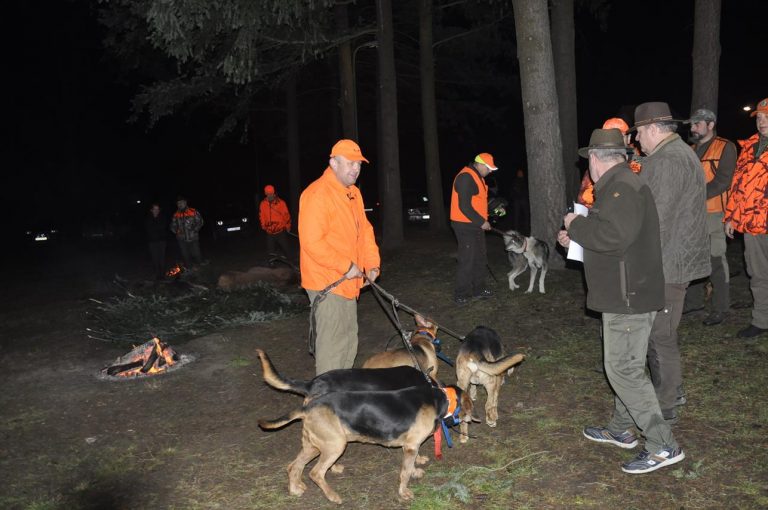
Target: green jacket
(622,248)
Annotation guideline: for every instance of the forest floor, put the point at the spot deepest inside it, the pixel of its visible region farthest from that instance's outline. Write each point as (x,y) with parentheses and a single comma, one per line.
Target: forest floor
(189,439)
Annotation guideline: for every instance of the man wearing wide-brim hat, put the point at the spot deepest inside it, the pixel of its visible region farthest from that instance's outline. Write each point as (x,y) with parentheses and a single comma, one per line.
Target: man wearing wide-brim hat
(623,268)
(673,173)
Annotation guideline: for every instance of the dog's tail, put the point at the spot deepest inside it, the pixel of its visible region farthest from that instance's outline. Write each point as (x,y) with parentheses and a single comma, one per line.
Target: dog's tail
(281,422)
(496,367)
(277,381)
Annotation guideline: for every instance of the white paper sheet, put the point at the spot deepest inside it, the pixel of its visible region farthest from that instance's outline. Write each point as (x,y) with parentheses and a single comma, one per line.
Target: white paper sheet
(575,251)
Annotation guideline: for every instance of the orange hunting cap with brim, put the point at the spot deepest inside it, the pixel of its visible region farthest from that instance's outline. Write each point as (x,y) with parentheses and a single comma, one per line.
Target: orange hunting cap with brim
(762,107)
(616,123)
(487,160)
(349,150)
(269,189)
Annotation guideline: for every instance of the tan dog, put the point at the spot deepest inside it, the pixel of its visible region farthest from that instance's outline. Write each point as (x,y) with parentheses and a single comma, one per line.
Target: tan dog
(421,341)
(481,362)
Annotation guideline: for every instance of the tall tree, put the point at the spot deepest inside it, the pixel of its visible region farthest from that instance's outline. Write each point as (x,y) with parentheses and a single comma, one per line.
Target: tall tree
(347,85)
(564,54)
(706,54)
(388,167)
(437,221)
(546,186)
(292,135)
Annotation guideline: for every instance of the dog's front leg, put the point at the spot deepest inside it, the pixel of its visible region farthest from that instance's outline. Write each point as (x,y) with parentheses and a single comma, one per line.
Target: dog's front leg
(534,271)
(407,470)
(511,276)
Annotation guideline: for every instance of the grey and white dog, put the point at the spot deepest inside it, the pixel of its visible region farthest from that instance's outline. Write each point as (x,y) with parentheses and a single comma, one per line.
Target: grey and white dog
(523,253)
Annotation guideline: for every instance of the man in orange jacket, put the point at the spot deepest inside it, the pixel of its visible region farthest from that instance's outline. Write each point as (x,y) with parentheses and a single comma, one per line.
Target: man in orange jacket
(469,220)
(747,212)
(337,248)
(275,220)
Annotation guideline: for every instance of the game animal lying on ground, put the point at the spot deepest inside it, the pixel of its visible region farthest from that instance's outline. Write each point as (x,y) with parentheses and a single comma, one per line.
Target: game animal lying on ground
(523,253)
(422,342)
(394,418)
(481,362)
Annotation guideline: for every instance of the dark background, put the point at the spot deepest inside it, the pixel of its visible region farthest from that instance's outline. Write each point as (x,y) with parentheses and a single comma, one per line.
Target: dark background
(74,158)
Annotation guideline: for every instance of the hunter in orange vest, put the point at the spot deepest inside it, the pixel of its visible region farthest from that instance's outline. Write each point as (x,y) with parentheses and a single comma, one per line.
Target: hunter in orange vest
(718,160)
(275,220)
(469,220)
(747,212)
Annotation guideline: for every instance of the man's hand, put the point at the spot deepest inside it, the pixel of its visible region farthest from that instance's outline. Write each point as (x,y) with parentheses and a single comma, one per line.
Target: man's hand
(568,218)
(728,228)
(486,226)
(353,272)
(563,239)
(372,274)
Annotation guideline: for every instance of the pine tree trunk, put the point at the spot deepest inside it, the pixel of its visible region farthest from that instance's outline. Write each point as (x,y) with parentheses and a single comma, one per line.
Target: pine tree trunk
(347,85)
(546,185)
(706,54)
(564,54)
(294,171)
(388,167)
(437,216)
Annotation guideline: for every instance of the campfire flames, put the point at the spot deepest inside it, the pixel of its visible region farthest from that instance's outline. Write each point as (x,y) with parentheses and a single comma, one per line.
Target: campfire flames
(149,358)
(174,271)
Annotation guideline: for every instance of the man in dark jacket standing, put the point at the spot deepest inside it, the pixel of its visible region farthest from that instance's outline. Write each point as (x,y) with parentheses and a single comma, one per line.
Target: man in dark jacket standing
(156,227)
(673,172)
(623,269)
(469,220)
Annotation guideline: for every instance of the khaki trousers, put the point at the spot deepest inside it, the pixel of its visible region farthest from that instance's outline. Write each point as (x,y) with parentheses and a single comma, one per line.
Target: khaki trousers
(336,341)
(625,344)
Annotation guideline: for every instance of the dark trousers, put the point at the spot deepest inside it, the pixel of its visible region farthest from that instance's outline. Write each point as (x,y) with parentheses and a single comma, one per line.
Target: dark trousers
(663,350)
(281,240)
(157,251)
(190,251)
(472,261)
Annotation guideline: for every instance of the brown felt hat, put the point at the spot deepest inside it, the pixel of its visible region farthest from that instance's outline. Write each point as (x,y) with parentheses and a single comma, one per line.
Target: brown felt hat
(650,113)
(604,139)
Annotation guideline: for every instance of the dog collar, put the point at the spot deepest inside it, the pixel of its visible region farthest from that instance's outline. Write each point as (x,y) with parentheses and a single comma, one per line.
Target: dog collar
(453,403)
(424,332)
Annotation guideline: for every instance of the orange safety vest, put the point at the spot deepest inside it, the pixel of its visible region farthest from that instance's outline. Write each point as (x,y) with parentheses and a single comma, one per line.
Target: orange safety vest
(710,161)
(747,207)
(479,201)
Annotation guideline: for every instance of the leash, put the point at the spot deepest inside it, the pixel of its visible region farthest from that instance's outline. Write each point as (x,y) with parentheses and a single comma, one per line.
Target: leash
(312,321)
(397,304)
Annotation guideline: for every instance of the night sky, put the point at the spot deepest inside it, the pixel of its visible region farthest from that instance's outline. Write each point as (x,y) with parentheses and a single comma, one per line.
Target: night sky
(74,156)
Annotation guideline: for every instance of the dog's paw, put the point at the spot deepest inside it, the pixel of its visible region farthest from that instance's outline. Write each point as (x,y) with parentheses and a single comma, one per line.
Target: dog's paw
(337,469)
(421,460)
(333,497)
(491,423)
(528,291)
(297,489)
(463,439)
(417,473)
(406,494)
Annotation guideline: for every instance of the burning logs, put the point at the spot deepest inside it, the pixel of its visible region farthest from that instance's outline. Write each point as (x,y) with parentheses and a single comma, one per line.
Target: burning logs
(149,358)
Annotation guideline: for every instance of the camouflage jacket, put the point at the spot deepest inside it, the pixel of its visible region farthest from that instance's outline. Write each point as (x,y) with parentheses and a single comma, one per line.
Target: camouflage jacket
(186,224)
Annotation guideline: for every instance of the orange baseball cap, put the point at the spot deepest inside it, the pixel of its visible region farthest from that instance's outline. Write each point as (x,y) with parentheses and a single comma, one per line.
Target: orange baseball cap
(487,160)
(616,123)
(762,107)
(349,150)
(269,189)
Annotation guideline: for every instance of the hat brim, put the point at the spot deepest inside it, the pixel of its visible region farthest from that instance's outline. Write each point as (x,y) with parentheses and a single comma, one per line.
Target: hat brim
(584,151)
(653,121)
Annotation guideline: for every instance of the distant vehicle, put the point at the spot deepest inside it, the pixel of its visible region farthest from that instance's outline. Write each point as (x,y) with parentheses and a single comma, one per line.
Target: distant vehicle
(231,220)
(42,234)
(416,206)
